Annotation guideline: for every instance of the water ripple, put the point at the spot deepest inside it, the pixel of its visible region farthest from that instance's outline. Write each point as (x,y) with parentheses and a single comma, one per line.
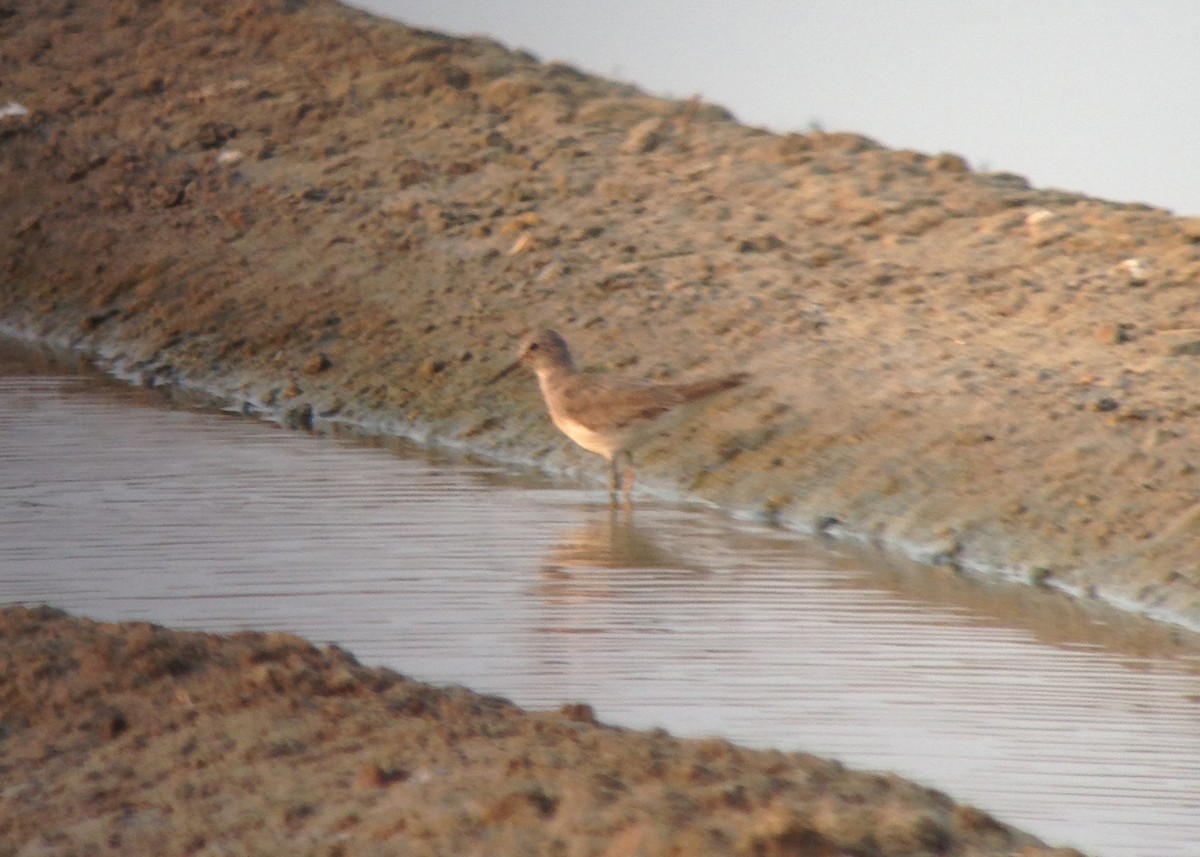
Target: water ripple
(1078,724)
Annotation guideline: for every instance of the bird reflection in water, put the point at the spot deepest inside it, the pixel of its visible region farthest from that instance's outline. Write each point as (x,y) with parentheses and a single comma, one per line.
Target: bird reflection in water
(609,539)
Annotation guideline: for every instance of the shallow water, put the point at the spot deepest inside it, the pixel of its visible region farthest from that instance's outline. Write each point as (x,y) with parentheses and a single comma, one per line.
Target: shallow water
(1071,721)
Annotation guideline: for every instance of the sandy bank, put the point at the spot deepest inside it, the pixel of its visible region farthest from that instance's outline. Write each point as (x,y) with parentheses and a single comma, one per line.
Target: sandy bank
(122,739)
(334,217)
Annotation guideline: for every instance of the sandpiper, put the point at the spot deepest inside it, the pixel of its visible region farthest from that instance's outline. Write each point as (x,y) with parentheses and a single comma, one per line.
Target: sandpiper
(606,415)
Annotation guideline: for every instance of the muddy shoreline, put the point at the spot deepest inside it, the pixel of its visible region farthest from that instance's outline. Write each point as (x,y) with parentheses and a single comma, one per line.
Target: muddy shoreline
(328,216)
(129,738)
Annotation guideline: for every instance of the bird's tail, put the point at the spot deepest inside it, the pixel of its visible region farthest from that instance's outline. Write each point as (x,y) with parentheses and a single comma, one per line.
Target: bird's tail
(710,387)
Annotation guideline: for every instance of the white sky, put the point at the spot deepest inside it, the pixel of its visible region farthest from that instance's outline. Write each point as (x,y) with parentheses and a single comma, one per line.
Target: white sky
(1097,96)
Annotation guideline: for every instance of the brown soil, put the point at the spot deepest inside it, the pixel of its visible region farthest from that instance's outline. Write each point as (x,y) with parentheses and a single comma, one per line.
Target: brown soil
(331,217)
(337,217)
(131,739)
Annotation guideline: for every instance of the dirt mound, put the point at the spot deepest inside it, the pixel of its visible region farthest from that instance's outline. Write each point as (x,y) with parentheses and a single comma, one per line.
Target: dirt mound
(120,739)
(335,217)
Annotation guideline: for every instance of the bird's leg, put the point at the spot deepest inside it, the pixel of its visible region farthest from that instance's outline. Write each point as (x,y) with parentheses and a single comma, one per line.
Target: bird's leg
(620,484)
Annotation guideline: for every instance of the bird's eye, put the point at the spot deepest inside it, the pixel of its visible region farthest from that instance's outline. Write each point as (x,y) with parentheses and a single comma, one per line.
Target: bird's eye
(533,347)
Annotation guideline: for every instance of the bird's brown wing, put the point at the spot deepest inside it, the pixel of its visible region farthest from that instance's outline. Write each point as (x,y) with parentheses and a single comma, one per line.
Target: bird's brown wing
(696,390)
(603,404)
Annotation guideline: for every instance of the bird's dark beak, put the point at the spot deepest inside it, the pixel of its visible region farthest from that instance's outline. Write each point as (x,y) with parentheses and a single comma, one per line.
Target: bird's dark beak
(505,372)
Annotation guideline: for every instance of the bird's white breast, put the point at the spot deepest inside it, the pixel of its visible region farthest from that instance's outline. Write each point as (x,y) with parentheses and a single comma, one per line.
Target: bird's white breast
(592,441)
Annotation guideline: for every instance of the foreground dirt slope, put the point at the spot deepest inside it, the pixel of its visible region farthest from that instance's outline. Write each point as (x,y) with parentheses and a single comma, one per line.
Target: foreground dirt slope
(335,217)
(131,739)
